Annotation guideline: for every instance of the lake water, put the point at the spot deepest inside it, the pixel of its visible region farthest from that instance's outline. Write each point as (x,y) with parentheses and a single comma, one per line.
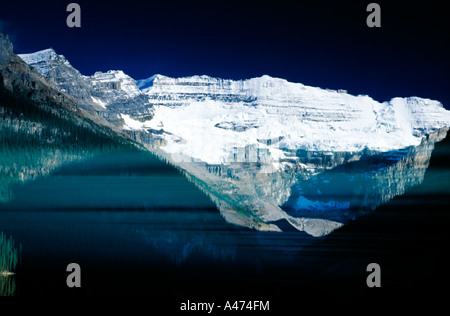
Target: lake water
(138,227)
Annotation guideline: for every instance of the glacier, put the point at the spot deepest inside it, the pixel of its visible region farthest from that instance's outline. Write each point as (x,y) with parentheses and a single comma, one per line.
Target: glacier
(277,116)
(253,145)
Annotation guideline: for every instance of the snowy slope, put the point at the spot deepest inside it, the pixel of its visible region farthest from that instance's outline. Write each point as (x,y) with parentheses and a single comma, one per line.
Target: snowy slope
(209,119)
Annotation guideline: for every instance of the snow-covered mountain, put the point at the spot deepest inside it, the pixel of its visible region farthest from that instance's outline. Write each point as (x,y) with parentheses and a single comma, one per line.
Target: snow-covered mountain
(213,120)
(106,93)
(255,146)
(256,120)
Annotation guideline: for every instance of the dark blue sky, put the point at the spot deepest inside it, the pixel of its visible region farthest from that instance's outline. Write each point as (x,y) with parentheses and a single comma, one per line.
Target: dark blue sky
(318,43)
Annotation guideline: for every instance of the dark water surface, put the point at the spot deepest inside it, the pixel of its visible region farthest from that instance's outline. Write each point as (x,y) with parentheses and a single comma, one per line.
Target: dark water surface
(136,228)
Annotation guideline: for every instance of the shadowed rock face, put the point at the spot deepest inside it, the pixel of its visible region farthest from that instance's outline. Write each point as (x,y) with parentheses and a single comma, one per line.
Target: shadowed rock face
(20,78)
(25,81)
(103,97)
(107,94)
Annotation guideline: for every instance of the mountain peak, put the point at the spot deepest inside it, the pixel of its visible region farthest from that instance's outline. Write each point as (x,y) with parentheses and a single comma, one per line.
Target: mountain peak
(39,56)
(147,83)
(267,77)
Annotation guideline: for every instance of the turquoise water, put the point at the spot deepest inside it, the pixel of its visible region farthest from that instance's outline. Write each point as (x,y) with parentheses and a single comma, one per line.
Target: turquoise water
(138,227)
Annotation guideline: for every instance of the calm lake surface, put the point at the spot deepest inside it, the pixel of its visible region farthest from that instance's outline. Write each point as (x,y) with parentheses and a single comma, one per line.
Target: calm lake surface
(136,228)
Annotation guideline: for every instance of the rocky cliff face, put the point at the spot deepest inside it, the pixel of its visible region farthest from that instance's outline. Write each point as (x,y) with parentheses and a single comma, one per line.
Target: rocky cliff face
(18,77)
(106,94)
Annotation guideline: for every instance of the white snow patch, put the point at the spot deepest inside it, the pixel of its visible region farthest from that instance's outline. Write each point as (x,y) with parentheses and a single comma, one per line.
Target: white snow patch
(131,124)
(99,102)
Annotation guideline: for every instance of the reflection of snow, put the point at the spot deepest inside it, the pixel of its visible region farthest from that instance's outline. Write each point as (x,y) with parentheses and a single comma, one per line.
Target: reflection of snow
(316,227)
(305,204)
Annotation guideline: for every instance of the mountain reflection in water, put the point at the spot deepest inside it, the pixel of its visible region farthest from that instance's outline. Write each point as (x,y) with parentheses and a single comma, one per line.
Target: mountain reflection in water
(318,195)
(142,221)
